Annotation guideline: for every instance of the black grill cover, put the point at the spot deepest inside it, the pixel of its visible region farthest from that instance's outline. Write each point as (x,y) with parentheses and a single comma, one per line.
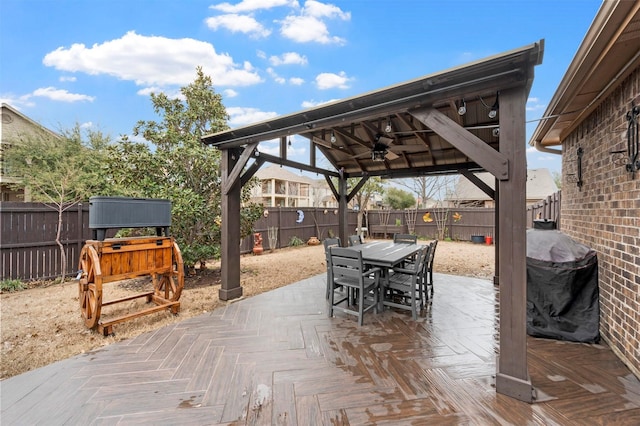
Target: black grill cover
(562,288)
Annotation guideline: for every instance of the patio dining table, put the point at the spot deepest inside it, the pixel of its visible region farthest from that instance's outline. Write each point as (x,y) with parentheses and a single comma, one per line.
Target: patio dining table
(386,255)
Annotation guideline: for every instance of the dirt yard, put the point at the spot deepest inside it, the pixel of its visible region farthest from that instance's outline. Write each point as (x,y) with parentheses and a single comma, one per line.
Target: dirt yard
(42,325)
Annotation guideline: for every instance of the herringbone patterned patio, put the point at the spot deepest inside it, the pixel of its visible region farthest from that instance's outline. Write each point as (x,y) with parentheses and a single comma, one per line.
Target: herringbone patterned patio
(277,359)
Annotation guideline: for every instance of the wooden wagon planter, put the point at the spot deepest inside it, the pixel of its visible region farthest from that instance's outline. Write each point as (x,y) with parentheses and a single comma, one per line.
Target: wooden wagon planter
(117,259)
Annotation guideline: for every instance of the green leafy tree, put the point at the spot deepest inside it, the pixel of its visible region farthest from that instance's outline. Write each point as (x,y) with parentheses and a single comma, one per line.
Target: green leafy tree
(175,165)
(399,199)
(59,171)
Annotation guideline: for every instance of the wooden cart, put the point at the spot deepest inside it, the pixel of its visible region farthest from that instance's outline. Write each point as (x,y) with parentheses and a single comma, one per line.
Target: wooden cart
(117,259)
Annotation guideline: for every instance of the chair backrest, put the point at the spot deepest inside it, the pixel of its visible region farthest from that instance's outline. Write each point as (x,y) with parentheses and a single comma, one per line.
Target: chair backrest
(354,240)
(432,254)
(346,262)
(426,257)
(405,238)
(421,260)
(330,242)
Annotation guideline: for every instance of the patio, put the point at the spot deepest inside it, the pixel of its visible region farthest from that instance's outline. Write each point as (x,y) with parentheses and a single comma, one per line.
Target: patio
(277,359)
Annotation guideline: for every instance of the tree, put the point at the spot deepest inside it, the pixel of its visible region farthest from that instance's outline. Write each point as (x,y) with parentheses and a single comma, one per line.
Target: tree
(429,188)
(399,199)
(60,171)
(182,169)
(363,197)
(557,178)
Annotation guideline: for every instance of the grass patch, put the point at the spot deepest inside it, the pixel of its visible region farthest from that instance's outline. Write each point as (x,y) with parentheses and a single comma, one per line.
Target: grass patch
(11,285)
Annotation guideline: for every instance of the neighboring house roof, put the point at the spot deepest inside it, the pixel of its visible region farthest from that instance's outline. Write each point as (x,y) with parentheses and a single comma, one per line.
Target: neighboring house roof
(608,54)
(280,173)
(16,125)
(540,184)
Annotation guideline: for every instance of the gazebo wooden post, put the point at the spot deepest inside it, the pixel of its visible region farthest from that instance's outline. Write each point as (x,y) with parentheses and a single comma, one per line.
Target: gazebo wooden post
(230,243)
(496,235)
(232,164)
(512,377)
(343,232)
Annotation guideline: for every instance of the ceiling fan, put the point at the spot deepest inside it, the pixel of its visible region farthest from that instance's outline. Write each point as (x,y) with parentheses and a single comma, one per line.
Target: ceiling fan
(383,149)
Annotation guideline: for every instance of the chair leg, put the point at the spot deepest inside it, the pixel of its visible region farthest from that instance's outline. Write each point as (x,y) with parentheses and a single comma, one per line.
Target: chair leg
(332,295)
(414,303)
(360,307)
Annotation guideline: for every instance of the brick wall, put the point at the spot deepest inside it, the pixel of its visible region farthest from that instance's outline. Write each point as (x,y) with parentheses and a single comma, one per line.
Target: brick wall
(605,215)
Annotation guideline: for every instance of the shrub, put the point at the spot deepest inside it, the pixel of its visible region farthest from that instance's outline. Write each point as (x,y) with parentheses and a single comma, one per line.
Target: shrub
(11,285)
(295,241)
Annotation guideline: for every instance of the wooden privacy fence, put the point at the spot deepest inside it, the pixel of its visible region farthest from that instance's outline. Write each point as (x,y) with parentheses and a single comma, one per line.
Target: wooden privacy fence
(549,209)
(28,250)
(285,223)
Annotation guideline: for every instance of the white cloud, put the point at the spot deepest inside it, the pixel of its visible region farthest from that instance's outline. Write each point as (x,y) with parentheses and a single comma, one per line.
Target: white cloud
(296,81)
(171,94)
(270,147)
(310,25)
(323,10)
(67,78)
(306,29)
(261,54)
(17,102)
(240,116)
(533,104)
(238,24)
(288,58)
(327,80)
(87,125)
(275,76)
(252,5)
(61,95)
(152,60)
(229,93)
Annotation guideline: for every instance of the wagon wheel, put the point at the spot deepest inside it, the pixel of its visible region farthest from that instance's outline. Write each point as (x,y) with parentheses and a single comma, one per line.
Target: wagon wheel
(90,286)
(169,285)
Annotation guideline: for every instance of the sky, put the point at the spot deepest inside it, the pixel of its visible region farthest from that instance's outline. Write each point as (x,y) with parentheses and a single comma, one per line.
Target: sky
(95,63)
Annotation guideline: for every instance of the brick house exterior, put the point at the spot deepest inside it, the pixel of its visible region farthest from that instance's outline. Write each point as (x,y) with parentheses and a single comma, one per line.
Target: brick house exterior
(600,197)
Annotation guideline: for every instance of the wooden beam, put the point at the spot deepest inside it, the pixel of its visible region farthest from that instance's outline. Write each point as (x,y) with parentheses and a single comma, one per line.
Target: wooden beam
(512,377)
(294,164)
(356,188)
(283,147)
(479,183)
(233,177)
(248,174)
(312,154)
(332,187)
(466,142)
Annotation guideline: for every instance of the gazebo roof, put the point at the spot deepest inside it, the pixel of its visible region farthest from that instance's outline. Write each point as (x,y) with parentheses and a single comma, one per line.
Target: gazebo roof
(346,131)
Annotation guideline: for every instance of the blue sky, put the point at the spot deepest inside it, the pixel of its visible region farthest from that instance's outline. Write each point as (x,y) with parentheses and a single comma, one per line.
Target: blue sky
(95,62)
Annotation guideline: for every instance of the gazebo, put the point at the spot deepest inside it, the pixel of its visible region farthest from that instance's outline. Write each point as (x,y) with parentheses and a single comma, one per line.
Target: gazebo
(459,121)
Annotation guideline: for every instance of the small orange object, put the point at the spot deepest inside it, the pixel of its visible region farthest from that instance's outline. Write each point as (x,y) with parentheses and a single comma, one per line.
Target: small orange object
(257,243)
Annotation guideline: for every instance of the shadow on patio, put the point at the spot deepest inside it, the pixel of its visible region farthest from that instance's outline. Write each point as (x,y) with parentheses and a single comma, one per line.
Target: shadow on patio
(276,358)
